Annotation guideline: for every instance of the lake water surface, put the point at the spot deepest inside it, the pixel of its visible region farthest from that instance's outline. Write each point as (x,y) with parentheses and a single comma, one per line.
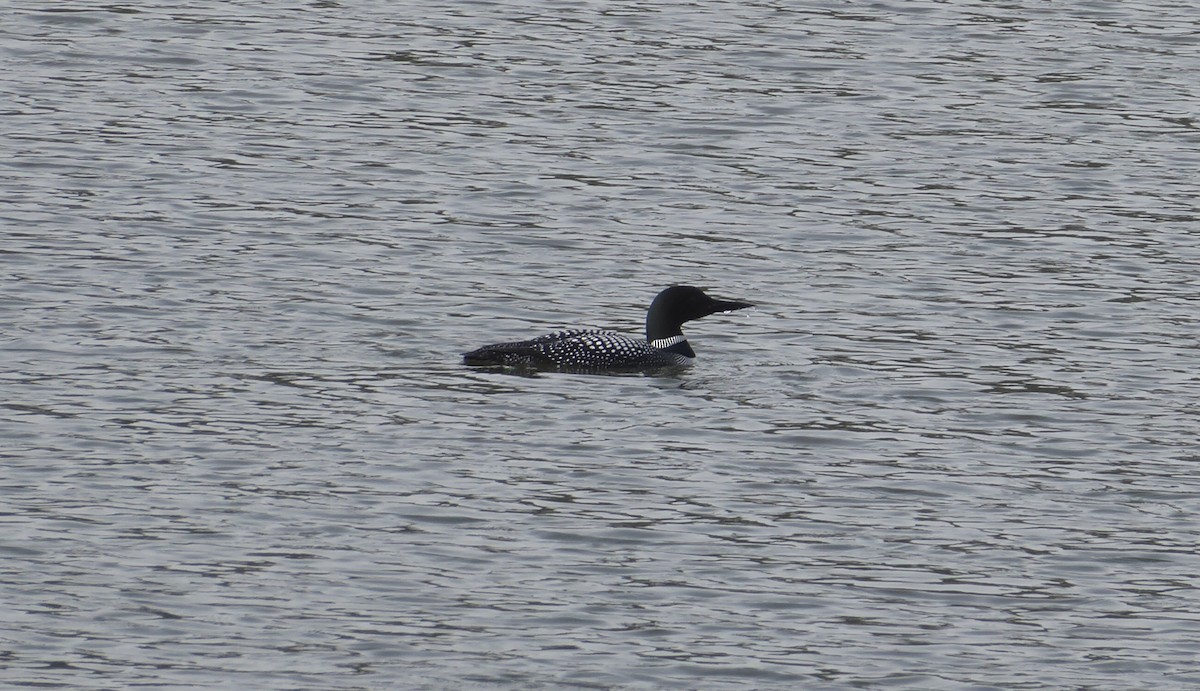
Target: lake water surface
(955,446)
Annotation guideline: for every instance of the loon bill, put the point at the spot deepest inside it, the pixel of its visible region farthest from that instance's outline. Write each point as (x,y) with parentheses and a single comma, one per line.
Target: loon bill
(584,349)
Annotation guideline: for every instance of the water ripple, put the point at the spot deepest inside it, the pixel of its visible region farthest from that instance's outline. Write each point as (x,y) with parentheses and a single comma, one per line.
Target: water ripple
(952,447)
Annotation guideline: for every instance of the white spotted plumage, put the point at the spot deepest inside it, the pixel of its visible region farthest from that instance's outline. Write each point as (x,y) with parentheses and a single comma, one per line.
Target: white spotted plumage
(586,349)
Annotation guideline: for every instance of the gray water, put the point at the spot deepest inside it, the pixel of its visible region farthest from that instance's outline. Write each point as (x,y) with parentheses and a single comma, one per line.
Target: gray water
(955,446)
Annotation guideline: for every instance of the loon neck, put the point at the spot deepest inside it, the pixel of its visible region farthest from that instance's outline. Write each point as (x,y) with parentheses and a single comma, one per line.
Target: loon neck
(660,325)
(675,344)
(664,330)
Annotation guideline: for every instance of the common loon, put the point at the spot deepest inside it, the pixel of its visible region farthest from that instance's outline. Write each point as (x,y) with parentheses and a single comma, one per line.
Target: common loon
(584,349)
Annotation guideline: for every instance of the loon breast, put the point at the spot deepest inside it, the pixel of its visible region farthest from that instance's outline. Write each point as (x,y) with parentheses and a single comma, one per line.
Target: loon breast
(578,349)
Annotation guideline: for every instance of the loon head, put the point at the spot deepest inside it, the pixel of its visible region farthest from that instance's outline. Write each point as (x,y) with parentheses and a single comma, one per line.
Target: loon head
(679,304)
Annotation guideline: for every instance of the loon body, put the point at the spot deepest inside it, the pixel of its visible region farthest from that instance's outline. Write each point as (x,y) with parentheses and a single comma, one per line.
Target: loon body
(583,349)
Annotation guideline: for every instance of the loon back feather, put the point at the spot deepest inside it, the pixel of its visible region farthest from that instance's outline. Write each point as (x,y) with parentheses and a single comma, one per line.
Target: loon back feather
(576,348)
